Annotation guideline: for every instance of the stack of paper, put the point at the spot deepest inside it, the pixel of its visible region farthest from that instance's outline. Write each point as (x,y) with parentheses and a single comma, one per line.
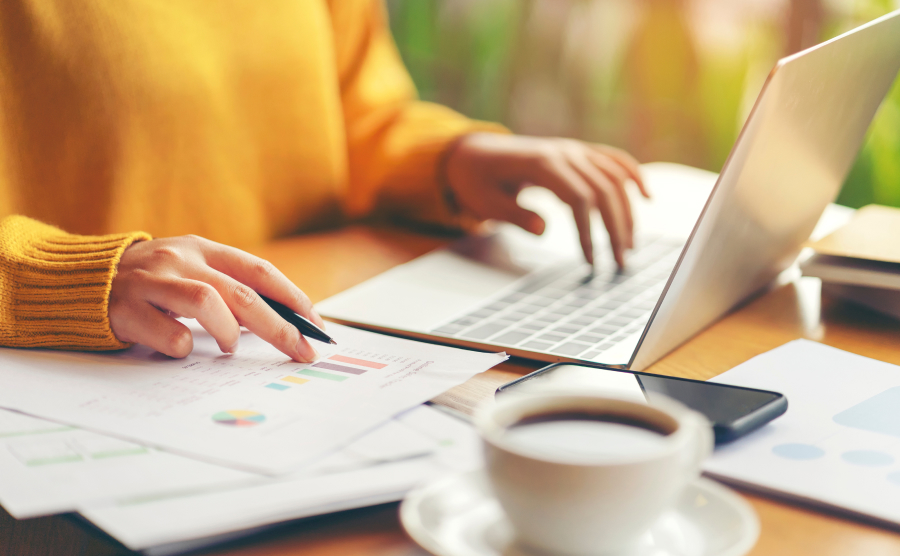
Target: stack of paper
(161,452)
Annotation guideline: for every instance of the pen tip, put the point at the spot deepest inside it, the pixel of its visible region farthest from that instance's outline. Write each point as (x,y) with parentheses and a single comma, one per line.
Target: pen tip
(332,342)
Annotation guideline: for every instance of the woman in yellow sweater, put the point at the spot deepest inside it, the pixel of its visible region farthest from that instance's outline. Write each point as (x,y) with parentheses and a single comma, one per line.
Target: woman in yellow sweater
(238,122)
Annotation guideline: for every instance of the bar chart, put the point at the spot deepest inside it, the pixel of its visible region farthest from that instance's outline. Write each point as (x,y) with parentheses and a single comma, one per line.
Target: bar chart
(343,367)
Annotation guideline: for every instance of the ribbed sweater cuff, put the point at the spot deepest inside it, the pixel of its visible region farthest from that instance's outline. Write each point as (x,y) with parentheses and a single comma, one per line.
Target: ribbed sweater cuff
(59,285)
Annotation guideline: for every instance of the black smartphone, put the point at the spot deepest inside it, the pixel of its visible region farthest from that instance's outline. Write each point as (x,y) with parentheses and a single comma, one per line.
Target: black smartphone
(733,411)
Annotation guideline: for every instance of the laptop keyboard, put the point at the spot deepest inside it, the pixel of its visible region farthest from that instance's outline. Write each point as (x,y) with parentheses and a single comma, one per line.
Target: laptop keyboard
(567,311)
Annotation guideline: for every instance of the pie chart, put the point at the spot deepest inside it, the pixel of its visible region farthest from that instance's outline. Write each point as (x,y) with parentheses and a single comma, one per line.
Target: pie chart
(239,418)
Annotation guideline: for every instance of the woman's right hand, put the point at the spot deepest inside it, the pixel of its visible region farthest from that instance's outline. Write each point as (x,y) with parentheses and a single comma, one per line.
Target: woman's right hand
(161,279)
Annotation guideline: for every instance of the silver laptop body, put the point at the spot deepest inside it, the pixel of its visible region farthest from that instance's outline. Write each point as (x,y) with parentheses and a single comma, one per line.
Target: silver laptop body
(705,244)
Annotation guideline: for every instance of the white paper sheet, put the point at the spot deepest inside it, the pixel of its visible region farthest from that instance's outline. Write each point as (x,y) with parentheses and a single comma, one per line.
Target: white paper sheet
(839,442)
(47,468)
(255,410)
(151,523)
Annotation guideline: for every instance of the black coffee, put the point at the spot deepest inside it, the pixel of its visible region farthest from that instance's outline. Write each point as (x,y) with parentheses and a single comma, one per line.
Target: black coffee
(584,438)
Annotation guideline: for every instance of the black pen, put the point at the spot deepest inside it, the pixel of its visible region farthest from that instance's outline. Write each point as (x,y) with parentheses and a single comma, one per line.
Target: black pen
(305,327)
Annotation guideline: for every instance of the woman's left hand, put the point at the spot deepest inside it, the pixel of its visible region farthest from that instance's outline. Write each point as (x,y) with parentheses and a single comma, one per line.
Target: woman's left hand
(486,172)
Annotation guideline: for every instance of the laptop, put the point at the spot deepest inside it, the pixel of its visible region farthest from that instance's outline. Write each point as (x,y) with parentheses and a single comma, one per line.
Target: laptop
(706,244)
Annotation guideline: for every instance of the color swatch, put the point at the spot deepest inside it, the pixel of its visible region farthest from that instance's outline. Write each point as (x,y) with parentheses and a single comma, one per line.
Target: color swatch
(360,362)
(341,368)
(295,379)
(320,374)
(276,386)
(239,418)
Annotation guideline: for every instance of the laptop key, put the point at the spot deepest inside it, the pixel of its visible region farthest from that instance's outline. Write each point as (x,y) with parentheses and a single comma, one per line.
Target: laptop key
(562,311)
(481,314)
(540,346)
(531,326)
(465,321)
(554,293)
(572,349)
(568,330)
(517,316)
(590,355)
(555,338)
(585,294)
(634,313)
(512,338)
(485,331)
(449,329)
(591,338)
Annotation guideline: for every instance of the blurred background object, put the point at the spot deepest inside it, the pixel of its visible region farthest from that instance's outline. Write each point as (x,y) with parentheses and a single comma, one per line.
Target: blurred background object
(668,80)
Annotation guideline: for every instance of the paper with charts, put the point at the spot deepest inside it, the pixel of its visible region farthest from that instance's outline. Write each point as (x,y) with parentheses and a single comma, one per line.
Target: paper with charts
(197,518)
(839,442)
(48,468)
(254,410)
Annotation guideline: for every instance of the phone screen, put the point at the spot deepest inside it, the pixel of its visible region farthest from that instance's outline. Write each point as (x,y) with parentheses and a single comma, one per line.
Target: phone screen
(722,404)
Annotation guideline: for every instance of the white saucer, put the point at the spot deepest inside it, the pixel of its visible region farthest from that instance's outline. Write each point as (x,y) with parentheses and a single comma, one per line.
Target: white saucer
(458,516)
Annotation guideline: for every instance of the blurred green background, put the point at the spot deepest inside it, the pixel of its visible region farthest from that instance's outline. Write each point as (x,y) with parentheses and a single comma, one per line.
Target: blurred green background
(668,80)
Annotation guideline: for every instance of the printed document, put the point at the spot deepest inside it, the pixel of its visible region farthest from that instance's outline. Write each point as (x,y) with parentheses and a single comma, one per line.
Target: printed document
(47,468)
(838,445)
(255,410)
(175,523)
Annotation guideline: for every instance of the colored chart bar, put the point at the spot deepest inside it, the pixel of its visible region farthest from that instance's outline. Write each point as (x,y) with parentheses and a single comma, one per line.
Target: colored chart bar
(320,374)
(341,368)
(276,386)
(295,379)
(360,362)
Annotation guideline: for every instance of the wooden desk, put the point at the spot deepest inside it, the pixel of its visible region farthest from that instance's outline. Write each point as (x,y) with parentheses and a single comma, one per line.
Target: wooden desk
(328,263)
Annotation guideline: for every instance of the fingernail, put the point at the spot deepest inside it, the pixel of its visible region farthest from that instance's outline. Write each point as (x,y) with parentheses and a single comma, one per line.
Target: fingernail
(307,353)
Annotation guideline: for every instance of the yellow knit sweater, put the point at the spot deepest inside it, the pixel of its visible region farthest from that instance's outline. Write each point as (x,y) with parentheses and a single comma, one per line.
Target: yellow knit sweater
(239,121)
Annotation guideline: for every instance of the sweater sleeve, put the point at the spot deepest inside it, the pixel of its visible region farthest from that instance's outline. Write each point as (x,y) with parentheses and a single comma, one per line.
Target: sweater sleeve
(54,286)
(395,142)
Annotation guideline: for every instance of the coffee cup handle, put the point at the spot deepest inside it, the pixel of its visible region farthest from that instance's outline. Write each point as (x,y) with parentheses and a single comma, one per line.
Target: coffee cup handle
(703,439)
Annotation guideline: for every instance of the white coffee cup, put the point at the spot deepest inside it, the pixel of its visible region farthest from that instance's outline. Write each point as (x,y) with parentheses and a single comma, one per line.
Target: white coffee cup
(597,498)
